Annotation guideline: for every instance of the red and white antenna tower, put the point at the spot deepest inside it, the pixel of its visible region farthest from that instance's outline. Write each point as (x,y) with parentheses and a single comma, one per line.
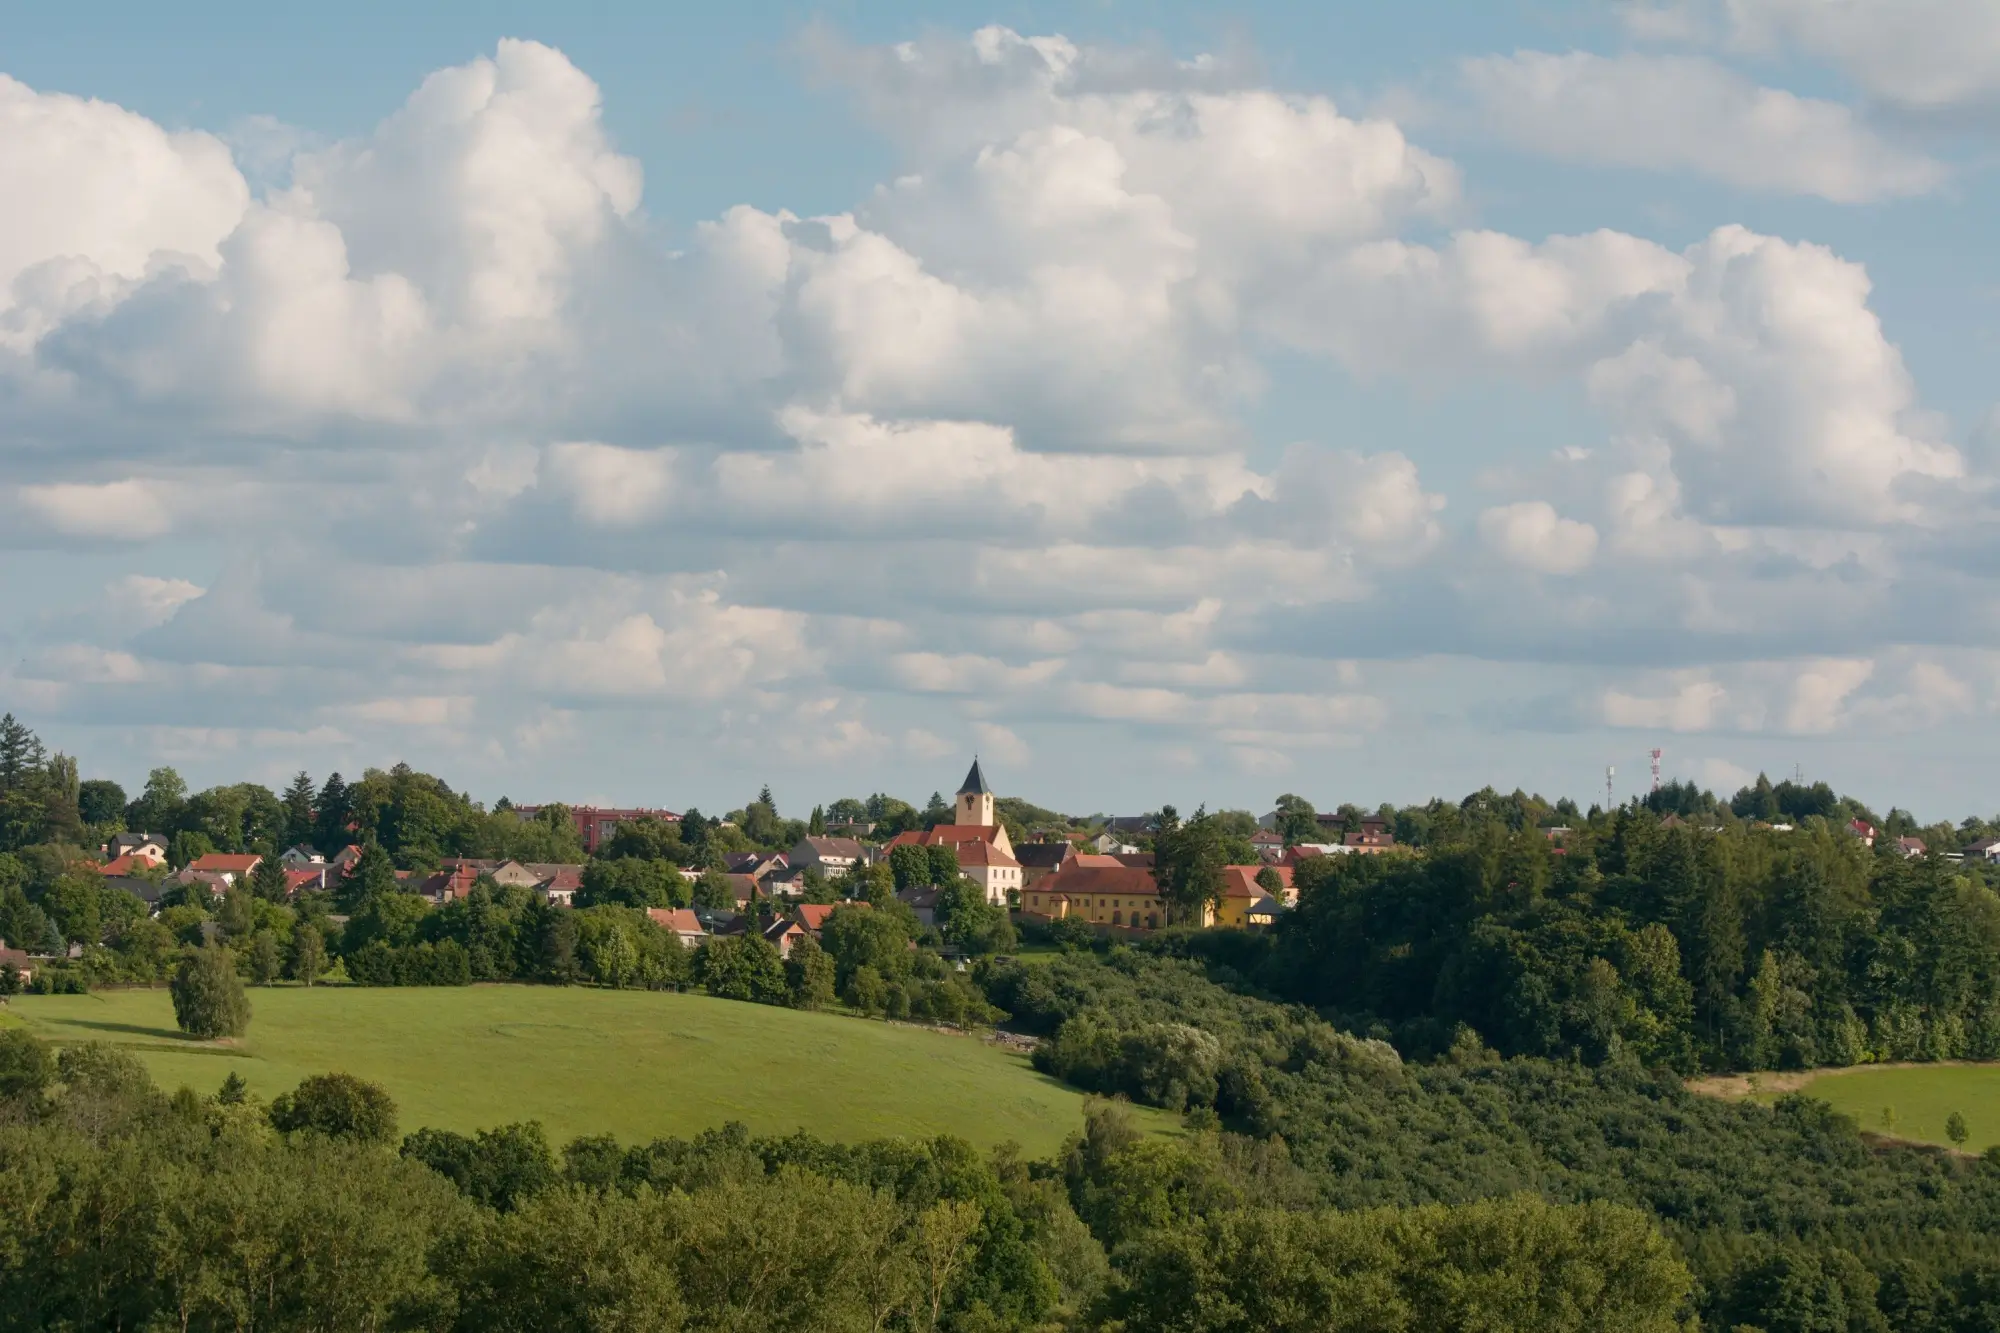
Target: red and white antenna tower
(1656,770)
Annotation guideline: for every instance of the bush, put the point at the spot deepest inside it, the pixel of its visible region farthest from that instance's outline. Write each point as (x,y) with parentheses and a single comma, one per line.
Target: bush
(208,995)
(809,975)
(742,967)
(339,1106)
(26,1067)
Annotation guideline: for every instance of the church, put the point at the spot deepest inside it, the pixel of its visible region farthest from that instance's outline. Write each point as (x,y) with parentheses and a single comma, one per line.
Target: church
(985,853)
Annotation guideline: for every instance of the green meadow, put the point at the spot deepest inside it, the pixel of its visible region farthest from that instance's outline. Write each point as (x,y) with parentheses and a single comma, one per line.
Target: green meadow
(636,1064)
(1919,1097)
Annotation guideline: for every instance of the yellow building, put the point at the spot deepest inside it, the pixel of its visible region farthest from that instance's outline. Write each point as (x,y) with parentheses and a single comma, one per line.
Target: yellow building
(1128,898)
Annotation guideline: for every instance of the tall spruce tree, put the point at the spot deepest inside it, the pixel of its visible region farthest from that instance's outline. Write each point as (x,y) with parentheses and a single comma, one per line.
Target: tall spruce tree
(300,826)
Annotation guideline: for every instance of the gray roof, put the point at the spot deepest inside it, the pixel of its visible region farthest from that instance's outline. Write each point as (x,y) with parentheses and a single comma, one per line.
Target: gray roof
(975,782)
(1043,855)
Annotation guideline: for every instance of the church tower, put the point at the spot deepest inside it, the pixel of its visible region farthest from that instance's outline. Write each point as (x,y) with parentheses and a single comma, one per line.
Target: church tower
(975,800)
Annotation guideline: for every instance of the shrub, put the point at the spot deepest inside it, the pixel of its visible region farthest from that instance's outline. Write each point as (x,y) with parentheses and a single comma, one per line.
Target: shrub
(208,995)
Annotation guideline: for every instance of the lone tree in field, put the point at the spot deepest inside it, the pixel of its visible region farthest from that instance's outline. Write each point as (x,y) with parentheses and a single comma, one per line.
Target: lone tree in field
(1955,1130)
(208,996)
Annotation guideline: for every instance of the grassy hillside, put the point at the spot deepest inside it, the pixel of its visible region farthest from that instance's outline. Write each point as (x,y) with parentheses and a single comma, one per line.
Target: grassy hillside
(1921,1097)
(635,1064)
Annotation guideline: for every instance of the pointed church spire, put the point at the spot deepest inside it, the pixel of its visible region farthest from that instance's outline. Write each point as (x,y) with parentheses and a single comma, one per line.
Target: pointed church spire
(975,781)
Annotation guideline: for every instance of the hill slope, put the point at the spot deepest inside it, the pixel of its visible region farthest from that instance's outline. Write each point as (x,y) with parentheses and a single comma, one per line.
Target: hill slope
(635,1064)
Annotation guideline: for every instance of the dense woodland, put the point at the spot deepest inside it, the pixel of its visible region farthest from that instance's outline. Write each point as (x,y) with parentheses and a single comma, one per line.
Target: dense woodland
(1439,1062)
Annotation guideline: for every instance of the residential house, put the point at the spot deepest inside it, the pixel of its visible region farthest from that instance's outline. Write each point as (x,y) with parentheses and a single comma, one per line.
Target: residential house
(300,856)
(19,961)
(146,888)
(1269,846)
(1041,859)
(1299,851)
(1910,848)
(997,874)
(230,866)
(1246,903)
(1131,825)
(747,889)
(783,933)
(340,863)
(832,857)
(1241,882)
(595,825)
(557,885)
(813,915)
(1986,849)
(310,879)
(1106,844)
(921,900)
(118,867)
(682,921)
(151,847)
(755,864)
(720,920)
(1372,838)
(1863,830)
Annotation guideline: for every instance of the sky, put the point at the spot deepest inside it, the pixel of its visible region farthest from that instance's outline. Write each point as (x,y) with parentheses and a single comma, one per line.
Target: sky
(639,404)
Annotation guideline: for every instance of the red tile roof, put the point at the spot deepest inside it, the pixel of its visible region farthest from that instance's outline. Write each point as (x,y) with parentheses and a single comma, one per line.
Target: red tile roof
(226,863)
(681,920)
(982,854)
(813,915)
(946,835)
(1076,881)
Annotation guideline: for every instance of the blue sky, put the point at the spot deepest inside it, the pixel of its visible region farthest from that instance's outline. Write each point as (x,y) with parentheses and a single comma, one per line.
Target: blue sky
(641,403)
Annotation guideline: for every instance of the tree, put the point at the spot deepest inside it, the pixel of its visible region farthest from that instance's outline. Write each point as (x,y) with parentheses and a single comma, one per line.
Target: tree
(713,890)
(26,1066)
(741,967)
(300,826)
(161,805)
(10,980)
(809,975)
(100,802)
(332,815)
(816,826)
(268,880)
(1955,1130)
(944,864)
(308,953)
(1188,862)
(1297,821)
(208,996)
(911,866)
(264,959)
(339,1106)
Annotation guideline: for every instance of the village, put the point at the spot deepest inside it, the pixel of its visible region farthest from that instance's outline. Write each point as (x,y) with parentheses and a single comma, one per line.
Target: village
(1104,883)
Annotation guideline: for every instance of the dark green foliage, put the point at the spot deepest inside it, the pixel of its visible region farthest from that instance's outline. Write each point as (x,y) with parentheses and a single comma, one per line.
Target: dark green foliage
(337,1106)
(1513,1263)
(377,963)
(809,975)
(26,1068)
(100,802)
(500,1168)
(208,996)
(741,967)
(633,882)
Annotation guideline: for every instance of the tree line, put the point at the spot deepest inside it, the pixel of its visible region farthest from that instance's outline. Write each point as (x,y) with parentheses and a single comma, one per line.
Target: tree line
(130,1208)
